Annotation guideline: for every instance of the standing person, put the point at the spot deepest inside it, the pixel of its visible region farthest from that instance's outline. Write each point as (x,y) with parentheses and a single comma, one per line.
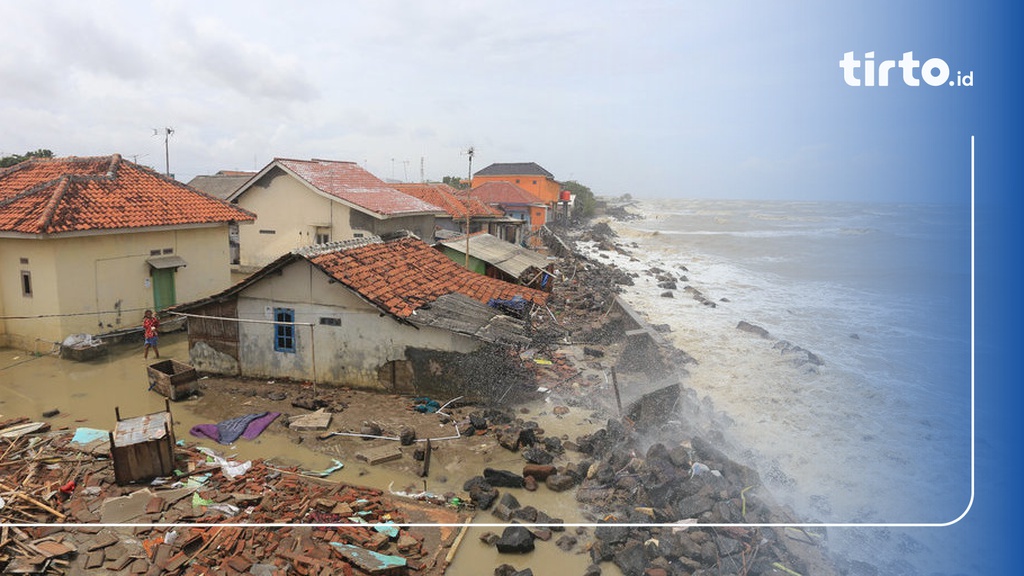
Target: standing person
(150,324)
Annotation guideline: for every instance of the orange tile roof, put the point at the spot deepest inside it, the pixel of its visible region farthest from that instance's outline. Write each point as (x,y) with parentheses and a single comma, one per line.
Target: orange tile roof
(51,196)
(503,193)
(445,196)
(350,182)
(404,274)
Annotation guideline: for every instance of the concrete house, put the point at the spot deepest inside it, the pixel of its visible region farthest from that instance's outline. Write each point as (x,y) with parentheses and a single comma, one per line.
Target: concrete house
(306,202)
(514,201)
(222,185)
(87,244)
(527,175)
(390,314)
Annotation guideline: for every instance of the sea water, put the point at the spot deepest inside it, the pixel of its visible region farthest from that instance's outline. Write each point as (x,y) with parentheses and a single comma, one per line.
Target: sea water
(880,433)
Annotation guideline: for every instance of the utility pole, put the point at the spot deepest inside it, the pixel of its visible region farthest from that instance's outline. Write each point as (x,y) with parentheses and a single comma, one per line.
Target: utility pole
(469,198)
(167,149)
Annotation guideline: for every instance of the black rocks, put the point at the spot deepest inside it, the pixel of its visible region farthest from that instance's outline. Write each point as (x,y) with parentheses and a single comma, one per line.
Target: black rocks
(503,478)
(515,540)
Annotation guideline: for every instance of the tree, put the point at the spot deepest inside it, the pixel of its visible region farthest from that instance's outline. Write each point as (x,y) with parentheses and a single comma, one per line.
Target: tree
(585,203)
(13,159)
(455,182)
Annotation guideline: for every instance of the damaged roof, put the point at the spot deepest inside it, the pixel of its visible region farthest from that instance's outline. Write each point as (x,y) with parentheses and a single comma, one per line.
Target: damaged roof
(409,280)
(505,256)
(404,274)
(60,195)
(349,183)
(445,196)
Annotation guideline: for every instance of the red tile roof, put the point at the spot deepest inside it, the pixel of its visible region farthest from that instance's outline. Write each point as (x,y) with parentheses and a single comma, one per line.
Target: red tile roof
(503,193)
(445,196)
(404,274)
(51,196)
(349,182)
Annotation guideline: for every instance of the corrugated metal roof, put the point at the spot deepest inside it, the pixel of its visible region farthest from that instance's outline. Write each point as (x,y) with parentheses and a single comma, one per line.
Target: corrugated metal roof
(505,256)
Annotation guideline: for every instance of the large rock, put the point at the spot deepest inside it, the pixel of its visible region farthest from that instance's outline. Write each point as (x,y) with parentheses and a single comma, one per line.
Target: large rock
(515,540)
(631,559)
(559,482)
(753,329)
(538,455)
(503,478)
(538,471)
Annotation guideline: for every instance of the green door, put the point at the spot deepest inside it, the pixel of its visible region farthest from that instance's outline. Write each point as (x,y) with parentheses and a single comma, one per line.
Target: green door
(163,288)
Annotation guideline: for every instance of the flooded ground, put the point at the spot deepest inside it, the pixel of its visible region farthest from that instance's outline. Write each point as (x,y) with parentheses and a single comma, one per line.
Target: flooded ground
(87,393)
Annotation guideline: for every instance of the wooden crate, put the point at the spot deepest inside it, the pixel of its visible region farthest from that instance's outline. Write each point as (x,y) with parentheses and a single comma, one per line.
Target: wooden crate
(173,379)
(142,448)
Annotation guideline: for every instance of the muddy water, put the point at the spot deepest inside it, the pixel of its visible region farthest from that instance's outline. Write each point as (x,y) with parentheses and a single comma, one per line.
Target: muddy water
(86,394)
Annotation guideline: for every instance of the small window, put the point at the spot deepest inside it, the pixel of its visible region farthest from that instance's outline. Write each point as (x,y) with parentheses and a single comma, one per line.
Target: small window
(23,260)
(357,234)
(534,182)
(327,321)
(168,250)
(26,283)
(154,252)
(268,231)
(322,237)
(284,329)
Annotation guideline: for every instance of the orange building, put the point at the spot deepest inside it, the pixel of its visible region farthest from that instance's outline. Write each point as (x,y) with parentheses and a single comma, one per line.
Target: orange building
(527,175)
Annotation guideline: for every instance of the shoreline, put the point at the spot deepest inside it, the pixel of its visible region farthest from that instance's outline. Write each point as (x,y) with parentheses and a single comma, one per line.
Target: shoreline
(620,450)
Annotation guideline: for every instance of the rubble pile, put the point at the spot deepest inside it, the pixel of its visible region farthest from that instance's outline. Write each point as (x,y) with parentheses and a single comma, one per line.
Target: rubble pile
(173,525)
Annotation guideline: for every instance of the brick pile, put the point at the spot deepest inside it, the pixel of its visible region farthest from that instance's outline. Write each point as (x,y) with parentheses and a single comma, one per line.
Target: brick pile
(64,514)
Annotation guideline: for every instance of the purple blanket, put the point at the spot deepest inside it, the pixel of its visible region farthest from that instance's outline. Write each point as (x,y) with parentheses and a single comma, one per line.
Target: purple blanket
(226,432)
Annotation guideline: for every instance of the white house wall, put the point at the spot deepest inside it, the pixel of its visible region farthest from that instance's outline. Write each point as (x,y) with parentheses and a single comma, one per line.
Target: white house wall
(350,353)
(289,215)
(101,283)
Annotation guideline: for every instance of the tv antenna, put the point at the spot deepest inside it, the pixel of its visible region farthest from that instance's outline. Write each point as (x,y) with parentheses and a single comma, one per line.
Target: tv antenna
(167,150)
(469,152)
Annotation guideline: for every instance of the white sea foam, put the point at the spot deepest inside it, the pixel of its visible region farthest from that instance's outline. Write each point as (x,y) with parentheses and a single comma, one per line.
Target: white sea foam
(880,432)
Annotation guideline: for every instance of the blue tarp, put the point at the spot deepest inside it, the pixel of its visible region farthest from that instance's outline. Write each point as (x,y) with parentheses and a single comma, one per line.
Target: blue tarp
(514,307)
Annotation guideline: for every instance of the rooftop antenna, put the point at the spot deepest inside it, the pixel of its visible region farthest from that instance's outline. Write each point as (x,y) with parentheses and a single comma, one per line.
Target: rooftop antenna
(423,178)
(469,152)
(167,150)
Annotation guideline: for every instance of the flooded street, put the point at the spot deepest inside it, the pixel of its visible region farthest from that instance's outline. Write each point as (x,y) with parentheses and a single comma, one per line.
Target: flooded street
(86,394)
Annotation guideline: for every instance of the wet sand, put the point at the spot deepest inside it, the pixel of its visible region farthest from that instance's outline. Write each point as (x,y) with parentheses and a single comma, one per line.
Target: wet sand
(86,394)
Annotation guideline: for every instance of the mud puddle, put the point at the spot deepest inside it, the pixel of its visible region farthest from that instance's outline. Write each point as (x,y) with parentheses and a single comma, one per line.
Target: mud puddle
(86,394)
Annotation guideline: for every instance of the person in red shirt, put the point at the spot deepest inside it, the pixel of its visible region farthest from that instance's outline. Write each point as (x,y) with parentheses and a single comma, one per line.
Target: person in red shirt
(150,324)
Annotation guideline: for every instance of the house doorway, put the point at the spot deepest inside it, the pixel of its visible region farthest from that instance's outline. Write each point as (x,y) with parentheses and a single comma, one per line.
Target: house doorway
(163,288)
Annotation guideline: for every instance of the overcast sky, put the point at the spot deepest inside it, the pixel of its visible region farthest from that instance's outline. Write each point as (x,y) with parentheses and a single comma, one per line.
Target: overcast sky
(688,99)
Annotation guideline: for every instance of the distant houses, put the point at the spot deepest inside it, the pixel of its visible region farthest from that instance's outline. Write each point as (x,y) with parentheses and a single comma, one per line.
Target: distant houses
(306,202)
(529,176)
(87,244)
(481,216)
(514,201)
(388,313)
